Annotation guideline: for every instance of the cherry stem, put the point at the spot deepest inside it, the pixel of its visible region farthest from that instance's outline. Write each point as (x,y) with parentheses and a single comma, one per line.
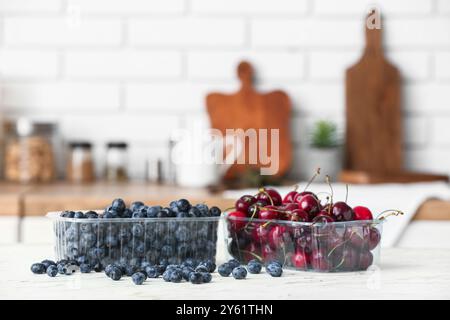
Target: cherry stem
(253,254)
(262,190)
(251,218)
(327,179)
(312,179)
(388,213)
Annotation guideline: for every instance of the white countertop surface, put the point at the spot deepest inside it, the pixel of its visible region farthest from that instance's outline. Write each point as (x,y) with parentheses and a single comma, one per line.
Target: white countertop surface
(404,274)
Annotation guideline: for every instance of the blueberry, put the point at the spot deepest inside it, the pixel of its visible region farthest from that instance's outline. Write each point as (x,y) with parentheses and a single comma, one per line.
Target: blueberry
(137,230)
(98,267)
(47,263)
(166,275)
(138,278)
(234,263)
(275,270)
(52,271)
(85,268)
(274,262)
(175,276)
(189,262)
(68,214)
(82,260)
(196,278)
(183,205)
(71,268)
(161,268)
(126,214)
(152,271)
(239,273)
(203,208)
(152,212)
(118,205)
(206,277)
(108,269)
(62,268)
(91,215)
(209,264)
(201,268)
(130,270)
(182,214)
(186,272)
(139,215)
(183,234)
(254,267)
(225,269)
(115,273)
(163,213)
(109,215)
(194,212)
(215,212)
(136,205)
(79,215)
(38,268)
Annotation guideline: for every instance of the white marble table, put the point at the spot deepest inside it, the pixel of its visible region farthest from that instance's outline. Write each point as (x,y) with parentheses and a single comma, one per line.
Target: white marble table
(404,273)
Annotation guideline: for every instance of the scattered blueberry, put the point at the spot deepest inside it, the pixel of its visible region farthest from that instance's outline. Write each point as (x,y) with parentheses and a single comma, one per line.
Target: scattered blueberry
(152,272)
(209,265)
(85,268)
(38,268)
(201,268)
(274,269)
(239,273)
(61,268)
(52,271)
(206,277)
(234,263)
(254,266)
(138,278)
(225,269)
(175,276)
(115,273)
(47,263)
(196,278)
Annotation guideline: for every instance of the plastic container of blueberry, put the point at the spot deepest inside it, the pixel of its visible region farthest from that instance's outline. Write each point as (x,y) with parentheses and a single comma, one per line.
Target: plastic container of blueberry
(137,235)
(321,247)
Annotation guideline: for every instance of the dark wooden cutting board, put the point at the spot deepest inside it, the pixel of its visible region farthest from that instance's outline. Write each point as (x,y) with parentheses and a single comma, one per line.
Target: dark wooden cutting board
(374,116)
(374,142)
(248,109)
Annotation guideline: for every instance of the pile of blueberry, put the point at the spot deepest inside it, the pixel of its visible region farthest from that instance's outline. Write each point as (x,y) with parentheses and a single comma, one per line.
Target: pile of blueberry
(254,266)
(95,241)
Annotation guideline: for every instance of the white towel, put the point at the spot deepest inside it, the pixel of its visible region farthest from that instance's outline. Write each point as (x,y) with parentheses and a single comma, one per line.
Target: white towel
(378,197)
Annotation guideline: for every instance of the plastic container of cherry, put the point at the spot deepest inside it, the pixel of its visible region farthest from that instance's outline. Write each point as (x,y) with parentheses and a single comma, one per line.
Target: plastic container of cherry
(303,232)
(137,235)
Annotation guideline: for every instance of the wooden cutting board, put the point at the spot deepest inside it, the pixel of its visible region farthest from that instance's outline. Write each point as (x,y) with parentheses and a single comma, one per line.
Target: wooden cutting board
(374,116)
(247,109)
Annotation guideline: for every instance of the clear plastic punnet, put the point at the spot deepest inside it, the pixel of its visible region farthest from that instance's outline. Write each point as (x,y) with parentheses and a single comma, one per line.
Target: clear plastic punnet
(322,247)
(132,241)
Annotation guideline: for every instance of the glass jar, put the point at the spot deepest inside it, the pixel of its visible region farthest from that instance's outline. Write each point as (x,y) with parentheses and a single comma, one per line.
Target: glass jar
(80,164)
(29,153)
(116,162)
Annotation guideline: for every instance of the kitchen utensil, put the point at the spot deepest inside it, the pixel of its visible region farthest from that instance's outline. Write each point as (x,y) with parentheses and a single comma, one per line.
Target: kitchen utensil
(249,109)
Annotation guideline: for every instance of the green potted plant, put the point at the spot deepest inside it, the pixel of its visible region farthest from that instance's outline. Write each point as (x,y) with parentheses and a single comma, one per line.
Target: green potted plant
(325,149)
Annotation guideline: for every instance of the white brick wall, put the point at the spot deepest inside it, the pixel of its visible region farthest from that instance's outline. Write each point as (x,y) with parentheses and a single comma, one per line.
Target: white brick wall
(135,69)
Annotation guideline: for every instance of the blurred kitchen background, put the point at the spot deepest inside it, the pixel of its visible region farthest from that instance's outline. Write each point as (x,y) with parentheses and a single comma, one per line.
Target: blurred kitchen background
(92,90)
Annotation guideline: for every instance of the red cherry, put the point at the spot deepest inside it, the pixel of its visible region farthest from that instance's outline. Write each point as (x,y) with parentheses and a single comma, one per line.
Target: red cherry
(365,260)
(290,197)
(267,253)
(322,226)
(277,236)
(297,215)
(236,220)
(254,208)
(349,259)
(374,238)
(244,202)
(260,234)
(309,203)
(299,260)
(268,213)
(362,213)
(342,212)
(290,206)
(319,260)
(270,195)
(305,193)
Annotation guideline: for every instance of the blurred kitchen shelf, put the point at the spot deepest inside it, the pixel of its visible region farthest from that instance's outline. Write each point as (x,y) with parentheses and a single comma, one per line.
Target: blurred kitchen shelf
(37,200)
(362,177)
